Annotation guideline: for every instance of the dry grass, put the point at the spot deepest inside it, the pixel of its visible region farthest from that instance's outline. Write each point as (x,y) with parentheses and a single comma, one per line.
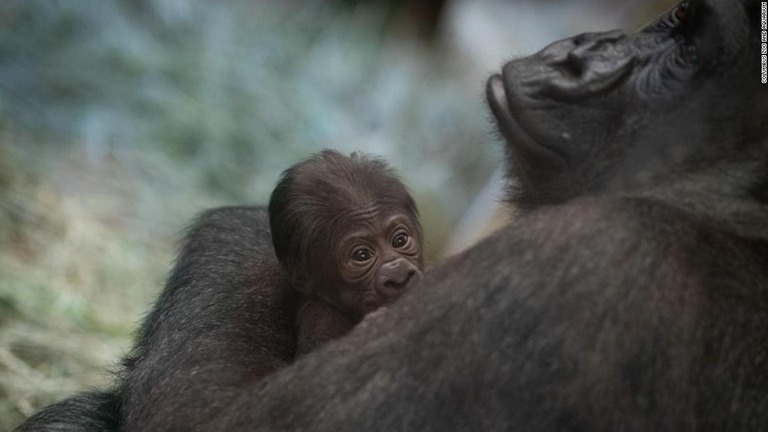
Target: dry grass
(72,287)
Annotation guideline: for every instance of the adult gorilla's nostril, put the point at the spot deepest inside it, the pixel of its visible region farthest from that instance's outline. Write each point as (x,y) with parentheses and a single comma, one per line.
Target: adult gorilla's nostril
(574,65)
(579,39)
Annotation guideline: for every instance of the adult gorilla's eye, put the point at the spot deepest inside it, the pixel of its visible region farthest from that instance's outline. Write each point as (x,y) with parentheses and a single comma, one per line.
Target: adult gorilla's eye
(400,240)
(684,25)
(689,54)
(362,254)
(681,12)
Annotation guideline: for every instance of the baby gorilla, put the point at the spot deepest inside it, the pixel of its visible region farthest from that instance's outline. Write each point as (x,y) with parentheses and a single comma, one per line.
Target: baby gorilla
(347,232)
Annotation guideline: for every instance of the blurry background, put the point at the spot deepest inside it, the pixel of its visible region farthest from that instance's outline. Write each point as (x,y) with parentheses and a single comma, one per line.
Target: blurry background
(119,121)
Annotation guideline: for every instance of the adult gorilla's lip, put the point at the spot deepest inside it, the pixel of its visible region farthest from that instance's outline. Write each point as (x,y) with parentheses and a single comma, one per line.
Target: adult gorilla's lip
(511,129)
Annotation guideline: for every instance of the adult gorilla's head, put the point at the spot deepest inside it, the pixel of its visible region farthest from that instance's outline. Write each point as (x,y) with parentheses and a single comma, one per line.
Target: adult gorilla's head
(604,110)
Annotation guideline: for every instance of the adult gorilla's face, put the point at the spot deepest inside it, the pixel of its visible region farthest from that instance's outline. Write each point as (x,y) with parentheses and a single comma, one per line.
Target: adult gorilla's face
(655,99)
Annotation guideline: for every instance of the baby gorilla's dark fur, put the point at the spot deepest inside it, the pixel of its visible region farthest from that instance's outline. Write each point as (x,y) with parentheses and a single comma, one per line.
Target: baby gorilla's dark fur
(347,232)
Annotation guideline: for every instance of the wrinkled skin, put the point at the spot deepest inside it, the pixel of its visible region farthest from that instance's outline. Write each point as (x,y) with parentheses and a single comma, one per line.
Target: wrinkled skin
(380,257)
(631,294)
(347,231)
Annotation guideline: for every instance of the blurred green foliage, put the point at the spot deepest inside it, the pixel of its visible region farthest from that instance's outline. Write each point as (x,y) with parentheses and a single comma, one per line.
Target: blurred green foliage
(234,90)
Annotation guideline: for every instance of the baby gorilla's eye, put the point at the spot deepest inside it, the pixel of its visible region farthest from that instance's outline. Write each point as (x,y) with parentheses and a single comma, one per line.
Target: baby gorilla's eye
(400,240)
(362,254)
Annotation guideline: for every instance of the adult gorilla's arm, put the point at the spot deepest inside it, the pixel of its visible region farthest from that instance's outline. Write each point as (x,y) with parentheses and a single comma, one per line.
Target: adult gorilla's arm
(223,321)
(96,411)
(601,314)
(585,317)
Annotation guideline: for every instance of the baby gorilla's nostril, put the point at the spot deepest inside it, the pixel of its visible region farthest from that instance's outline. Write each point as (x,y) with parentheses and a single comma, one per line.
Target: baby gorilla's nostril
(398,283)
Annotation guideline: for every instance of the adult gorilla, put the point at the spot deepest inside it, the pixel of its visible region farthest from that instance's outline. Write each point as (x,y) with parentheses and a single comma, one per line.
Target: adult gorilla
(632,294)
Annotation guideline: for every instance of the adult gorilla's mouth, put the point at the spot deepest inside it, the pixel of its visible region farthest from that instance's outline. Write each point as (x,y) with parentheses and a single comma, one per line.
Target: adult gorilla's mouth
(530,150)
(554,106)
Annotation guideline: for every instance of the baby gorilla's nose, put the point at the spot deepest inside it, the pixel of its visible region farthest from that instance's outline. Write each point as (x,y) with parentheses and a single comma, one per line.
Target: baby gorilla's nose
(395,275)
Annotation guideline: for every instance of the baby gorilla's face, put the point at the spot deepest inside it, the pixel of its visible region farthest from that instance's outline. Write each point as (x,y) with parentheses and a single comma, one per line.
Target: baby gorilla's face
(379,257)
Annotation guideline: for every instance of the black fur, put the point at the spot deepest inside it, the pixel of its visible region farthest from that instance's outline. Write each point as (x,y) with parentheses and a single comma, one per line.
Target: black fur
(224,321)
(86,412)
